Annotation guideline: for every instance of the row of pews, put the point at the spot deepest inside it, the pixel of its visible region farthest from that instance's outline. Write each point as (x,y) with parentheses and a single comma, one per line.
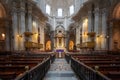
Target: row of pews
(96,66)
(30,66)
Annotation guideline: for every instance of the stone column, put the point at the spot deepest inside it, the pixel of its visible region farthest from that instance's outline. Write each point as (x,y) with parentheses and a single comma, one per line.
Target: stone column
(39,32)
(96,28)
(110,36)
(80,33)
(52,40)
(7,36)
(42,36)
(54,22)
(97,17)
(77,36)
(90,24)
(22,25)
(29,20)
(55,40)
(90,21)
(104,28)
(14,27)
(66,40)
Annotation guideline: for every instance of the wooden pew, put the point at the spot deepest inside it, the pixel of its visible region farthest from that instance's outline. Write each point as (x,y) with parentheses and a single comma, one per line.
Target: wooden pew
(14,63)
(108,65)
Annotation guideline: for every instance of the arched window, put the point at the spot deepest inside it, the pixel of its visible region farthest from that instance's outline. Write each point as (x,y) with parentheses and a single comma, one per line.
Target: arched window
(48,9)
(60,12)
(71,9)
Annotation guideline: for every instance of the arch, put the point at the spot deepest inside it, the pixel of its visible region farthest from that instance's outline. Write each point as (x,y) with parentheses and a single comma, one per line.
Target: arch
(2,11)
(48,45)
(115,21)
(116,12)
(60,26)
(71,45)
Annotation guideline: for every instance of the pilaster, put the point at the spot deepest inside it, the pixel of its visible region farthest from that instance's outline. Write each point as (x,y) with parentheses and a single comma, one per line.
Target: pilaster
(104,28)
(14,27)
(21,20)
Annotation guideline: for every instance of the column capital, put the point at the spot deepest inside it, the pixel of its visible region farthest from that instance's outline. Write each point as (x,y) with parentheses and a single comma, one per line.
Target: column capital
(21,11)
(97,11)
(104,11)
(89,13)
(14,9)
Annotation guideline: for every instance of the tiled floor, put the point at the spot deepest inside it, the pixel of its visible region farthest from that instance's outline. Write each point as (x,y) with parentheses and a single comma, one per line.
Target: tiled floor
(60,70)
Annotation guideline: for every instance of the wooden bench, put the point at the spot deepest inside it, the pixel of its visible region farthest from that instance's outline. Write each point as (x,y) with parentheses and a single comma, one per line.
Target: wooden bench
(109,65)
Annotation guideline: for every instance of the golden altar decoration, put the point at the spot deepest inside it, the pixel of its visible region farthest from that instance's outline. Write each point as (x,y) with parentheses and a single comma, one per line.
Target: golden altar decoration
(87,45)
(33,45)
(90,44)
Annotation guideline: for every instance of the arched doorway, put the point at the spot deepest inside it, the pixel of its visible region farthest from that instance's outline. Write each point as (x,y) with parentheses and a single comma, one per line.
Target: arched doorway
(71,45)
(48,46)
(3,28)
(116,27)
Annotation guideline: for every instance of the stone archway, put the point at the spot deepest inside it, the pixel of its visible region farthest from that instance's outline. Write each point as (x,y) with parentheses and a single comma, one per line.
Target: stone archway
(48,45)
(116,27)
(71,45)
(116,12)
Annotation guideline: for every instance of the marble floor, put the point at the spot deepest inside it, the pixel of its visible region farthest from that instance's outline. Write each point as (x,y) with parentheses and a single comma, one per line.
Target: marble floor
(60,70)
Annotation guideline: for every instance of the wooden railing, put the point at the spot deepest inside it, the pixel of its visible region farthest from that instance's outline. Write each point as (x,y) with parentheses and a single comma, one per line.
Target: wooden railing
(85,72)
(88,45)
(37,72)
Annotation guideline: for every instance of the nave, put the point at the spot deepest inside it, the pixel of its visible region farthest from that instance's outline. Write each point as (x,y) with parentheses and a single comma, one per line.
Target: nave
(45,66)
(34,32)
(60,70)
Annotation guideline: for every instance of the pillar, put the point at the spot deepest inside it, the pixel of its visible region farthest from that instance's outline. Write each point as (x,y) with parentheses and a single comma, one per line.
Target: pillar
(14,27)
(104,28)
(90,21)
(110,36)
(22,25)
(7,37)
(52,40)
(42,36)
(96,29)
(90,24)
(29,20)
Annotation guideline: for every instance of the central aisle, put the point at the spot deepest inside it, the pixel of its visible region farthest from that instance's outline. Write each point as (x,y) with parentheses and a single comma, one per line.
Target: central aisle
(60,70)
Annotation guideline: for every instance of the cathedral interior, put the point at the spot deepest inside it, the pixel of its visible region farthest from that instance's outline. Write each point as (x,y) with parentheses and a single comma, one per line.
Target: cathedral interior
(59,40)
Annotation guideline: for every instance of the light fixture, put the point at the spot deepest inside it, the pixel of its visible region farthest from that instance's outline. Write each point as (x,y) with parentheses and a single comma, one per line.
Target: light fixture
(98,35)
(3,35)
(35,33)
(101,36)
(34,24)
(107,36)
(19,35)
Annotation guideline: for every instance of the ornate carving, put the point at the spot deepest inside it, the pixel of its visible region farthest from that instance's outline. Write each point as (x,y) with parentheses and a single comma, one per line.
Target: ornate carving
(97,11)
